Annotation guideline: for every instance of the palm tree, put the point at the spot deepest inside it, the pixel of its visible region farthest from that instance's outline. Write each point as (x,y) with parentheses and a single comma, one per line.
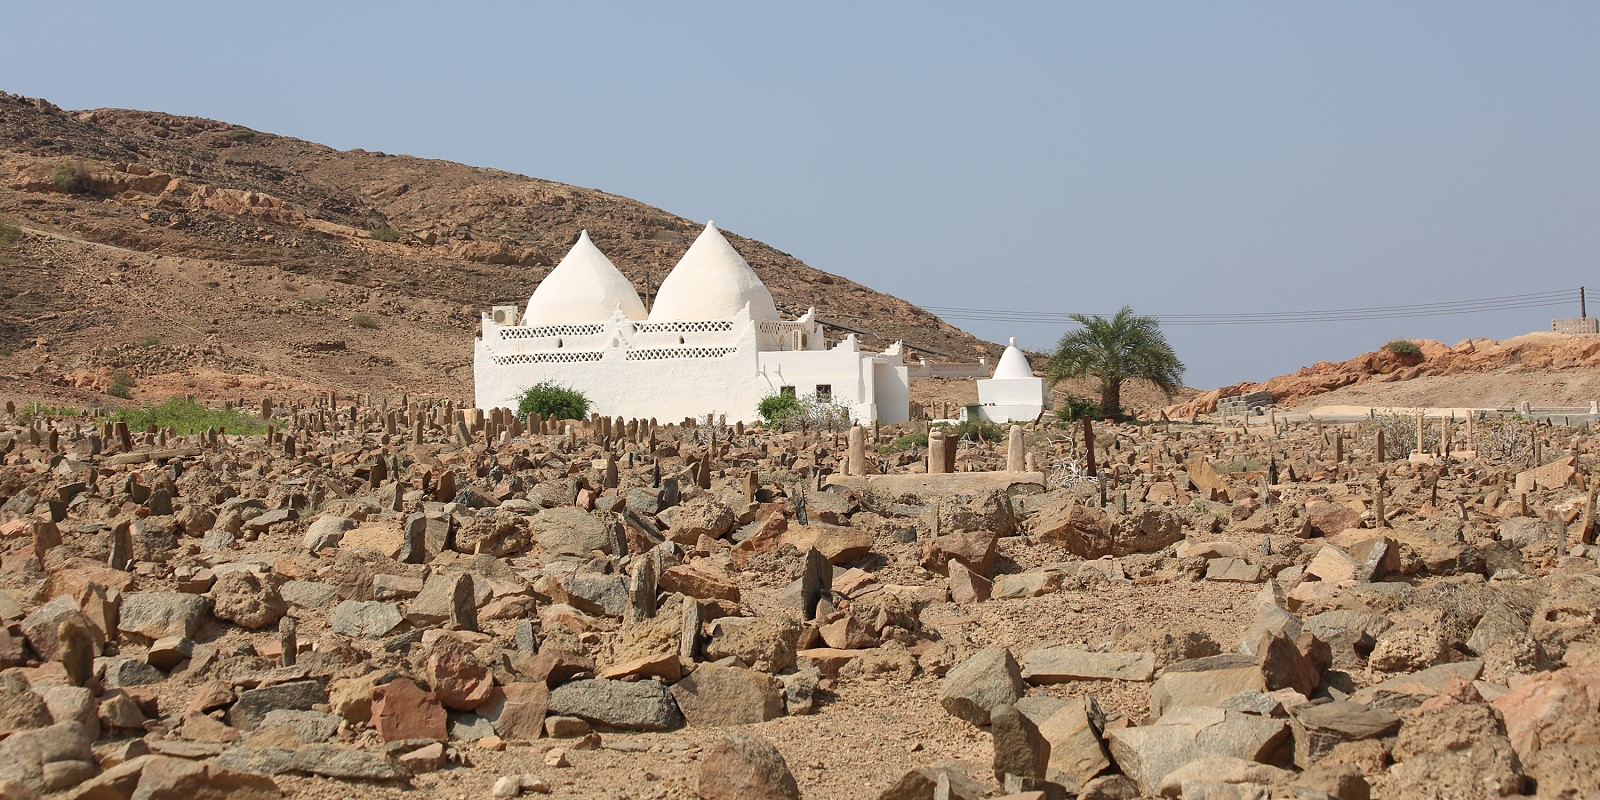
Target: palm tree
(1114,350)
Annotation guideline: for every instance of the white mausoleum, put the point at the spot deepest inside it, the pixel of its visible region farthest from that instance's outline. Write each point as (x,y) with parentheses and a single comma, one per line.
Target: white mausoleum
(1012,394)
(713,343)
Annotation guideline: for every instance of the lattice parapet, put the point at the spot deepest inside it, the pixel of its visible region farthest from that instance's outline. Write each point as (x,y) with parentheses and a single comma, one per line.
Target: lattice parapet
(548,331)
(557,357)
(707,326)
(779,328)
(659,354)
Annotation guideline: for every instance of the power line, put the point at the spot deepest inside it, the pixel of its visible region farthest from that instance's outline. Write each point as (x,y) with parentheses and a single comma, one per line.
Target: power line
(1544,299)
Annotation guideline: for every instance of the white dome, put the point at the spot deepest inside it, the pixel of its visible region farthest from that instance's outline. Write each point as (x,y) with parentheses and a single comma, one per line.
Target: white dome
(1013,364)
(712,281)
(584,287)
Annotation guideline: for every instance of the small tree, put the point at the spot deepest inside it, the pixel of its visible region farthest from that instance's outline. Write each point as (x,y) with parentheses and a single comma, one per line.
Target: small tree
(552,401)
(1114,350)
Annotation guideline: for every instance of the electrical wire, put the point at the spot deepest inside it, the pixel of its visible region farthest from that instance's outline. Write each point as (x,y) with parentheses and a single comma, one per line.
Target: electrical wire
(1544,299)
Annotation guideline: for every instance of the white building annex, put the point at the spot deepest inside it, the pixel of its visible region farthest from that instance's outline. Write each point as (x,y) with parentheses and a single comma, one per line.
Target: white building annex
(712,343)
(1012,394)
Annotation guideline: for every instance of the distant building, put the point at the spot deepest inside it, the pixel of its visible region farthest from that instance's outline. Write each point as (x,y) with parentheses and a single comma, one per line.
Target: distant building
(712,343)
(1012,394)
(1580,326)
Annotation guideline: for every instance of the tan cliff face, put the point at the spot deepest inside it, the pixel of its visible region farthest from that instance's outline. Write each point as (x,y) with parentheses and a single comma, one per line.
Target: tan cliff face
(266,256)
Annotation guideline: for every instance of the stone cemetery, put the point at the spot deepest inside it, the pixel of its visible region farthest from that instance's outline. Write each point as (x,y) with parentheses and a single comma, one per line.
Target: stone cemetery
(417,599)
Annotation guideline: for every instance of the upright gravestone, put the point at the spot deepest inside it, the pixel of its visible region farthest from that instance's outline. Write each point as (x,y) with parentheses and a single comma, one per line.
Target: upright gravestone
(122,547)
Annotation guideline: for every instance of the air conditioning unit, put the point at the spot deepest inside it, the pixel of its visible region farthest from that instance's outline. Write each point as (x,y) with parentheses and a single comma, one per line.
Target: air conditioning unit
(504,315)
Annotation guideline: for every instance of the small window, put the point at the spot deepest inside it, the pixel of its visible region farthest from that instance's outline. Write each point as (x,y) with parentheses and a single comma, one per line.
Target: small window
(824,392)
(786,391)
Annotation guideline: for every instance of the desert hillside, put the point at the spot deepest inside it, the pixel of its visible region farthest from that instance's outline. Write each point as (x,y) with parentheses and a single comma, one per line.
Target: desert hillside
(191,253)
(1545,369)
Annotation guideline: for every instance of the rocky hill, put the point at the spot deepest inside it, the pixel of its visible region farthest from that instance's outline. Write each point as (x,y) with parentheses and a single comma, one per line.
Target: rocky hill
(164,251)
(1545,369)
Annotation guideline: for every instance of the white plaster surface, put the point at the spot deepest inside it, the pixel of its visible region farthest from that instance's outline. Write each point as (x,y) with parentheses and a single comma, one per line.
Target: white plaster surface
(711,281)
(584,287)
(671,369)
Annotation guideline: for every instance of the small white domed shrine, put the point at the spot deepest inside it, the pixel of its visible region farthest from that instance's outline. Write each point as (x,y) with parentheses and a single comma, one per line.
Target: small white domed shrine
(1012,394)
(711,343)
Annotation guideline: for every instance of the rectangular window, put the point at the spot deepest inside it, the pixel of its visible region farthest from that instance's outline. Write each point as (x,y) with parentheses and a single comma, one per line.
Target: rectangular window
(786,391)
(824,392)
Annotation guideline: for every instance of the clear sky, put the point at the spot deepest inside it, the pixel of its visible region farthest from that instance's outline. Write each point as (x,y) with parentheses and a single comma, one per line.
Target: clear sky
(1181,158)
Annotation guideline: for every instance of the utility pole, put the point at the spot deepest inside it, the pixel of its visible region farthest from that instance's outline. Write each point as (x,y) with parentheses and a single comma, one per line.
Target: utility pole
(1583,305)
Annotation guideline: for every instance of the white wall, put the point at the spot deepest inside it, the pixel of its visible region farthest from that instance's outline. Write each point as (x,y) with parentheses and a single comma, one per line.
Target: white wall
(1012,399)
(730,373)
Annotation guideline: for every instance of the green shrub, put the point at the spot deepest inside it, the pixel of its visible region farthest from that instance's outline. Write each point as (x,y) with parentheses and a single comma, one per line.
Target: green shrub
(10,232)
(977,431)
(121,383)
(150,341)
(386,234)
(70,176)
(1404,348)
(774,407)
(242,135)
(187,417)
(1074,408)
(366,321)
(552,400)
(805,413)
(905,443)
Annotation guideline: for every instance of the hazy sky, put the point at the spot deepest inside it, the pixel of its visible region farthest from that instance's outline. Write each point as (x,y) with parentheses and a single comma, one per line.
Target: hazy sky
(1181,158)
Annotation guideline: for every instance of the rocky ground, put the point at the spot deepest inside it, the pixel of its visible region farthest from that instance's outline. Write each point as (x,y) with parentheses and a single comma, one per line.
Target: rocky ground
(377,602)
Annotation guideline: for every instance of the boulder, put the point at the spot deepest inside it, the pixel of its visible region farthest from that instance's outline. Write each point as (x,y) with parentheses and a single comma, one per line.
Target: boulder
(20,708)
(1077,753)
(942,781)
(640,706)
(1148,753)
(1205,682)
(1066,663)
(460,680)
(742,765)
(765,644)
(401,711)
(1329,517)
(974,549)
(1216,774)
(148,616)
(725,695)
(702,516)
(987,679)
(247,598)
(571,531)
(1543,699)
(253,705)
(1319,728)
(837,543)
(364,619)
(326,531)
(42,627)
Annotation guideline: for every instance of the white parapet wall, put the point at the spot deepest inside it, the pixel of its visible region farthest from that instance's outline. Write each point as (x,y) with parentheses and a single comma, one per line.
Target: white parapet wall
(675,370)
